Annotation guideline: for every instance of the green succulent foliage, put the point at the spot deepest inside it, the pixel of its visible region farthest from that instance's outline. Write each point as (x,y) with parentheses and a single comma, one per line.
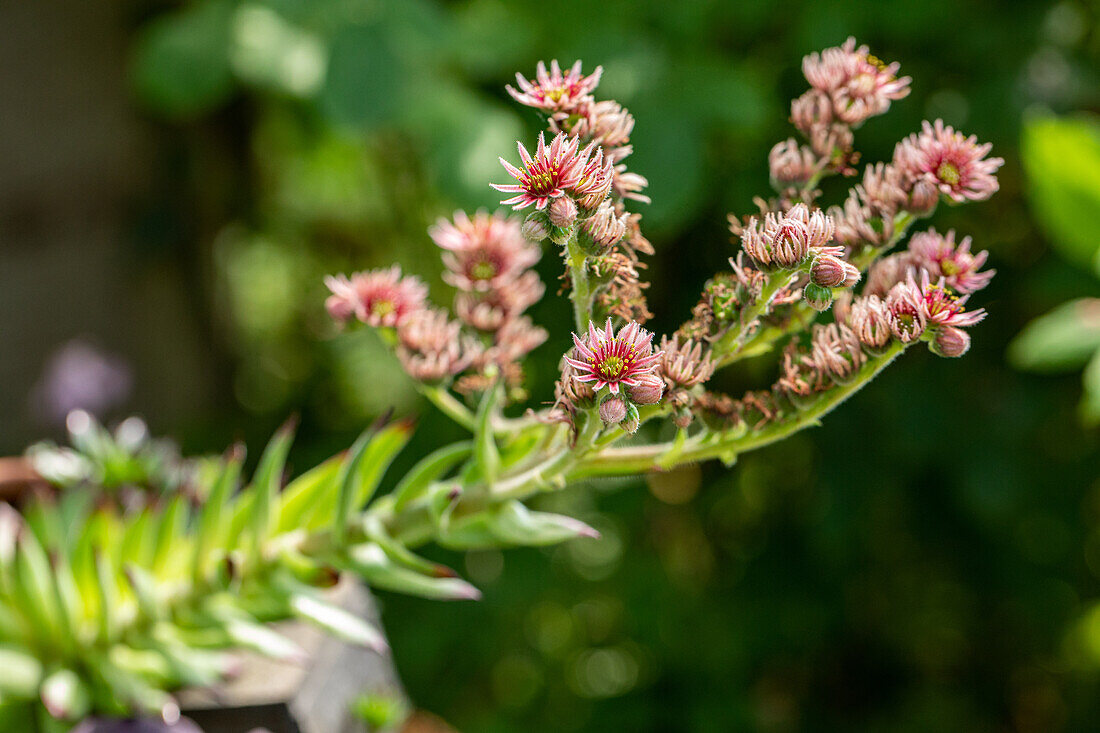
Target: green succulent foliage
(127,458)
(1062,160)
(109,603)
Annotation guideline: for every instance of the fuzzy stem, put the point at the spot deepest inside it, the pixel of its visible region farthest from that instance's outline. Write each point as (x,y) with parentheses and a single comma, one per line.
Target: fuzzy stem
(642,459)
(726,348)
(449,405)
(803,315)
(581,294)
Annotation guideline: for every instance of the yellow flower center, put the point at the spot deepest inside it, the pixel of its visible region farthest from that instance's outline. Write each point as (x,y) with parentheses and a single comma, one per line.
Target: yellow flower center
(382,308)
(948,172)
(876,62)
(483,270)
(539,182)
(611,367)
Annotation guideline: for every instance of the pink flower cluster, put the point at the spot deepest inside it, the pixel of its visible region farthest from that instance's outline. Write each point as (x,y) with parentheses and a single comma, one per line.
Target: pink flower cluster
(786,239)
(554,91)
(937,256)
(623,362)
(489,263)
(847,86)
(380,298)
(557,170)
(857,84)
(954,164)
(578,185)
(611,359)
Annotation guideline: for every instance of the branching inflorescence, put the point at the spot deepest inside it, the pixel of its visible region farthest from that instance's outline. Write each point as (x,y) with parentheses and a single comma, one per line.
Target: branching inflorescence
(797,259)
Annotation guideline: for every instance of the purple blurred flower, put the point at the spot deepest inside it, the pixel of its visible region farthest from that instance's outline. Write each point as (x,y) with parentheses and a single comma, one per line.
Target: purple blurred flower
(79,376)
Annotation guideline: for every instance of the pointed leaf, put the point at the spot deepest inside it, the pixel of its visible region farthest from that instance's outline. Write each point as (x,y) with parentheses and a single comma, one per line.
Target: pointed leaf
(371,562)
(400,554)
(171,530)
(485,447)
(250,634)
(427,470)
(108,593)
(145,591)
(338,622)
(302,495)
(134,677)
(513,524)
(516,524)
(380,451)
(36,595)
(210,521)
(265,486)
(193,666)
(346,480)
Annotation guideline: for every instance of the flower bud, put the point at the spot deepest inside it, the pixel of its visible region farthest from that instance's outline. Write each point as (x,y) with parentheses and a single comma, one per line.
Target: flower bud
(632,420)
(832,272)
(605,227)
(534,228)
(923,198)
(562,212)
(613,409)
(950,342)
(561,236)
(818,297)
(648,391)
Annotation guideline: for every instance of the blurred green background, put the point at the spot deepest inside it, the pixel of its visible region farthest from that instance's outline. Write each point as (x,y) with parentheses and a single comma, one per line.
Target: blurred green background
(176,177)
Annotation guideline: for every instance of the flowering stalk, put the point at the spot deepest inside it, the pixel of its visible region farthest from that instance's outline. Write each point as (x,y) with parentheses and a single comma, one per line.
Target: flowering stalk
(261,552)
(734,346)
(581,293)
(730,444)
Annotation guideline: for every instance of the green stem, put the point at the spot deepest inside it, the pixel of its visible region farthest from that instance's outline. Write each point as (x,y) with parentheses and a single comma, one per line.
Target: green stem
(449,405)
(581,294)
(726,347)
(643,459)
(802,315)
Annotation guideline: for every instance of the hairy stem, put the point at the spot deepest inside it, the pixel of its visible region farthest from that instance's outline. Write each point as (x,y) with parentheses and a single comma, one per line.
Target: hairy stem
(581,294)
(726,348)
(646,458)
(449,405)
(802,315)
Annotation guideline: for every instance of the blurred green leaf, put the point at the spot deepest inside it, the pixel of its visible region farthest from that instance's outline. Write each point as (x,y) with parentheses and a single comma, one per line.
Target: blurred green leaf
(1090,401)
(1062,160)
(1061,340)
(364,82)
(181,61)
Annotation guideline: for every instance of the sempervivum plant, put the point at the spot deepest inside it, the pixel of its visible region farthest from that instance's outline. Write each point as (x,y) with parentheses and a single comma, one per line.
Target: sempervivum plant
(107,605)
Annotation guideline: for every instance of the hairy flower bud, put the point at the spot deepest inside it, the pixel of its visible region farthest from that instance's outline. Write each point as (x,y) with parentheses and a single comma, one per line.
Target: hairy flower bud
(613,409)
(818,297)
(923,198)
(534,228)
(869,322)
(563,212)
(605,227)
(791,165)
(950,342)
(832,272)
(648,390)
(632,420)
